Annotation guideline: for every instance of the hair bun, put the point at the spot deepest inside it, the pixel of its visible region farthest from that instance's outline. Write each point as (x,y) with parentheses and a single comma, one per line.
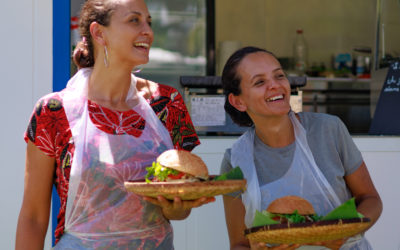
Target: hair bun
(81,55)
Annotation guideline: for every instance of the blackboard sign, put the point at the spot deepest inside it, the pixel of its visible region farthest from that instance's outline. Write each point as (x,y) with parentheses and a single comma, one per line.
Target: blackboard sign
(387,113)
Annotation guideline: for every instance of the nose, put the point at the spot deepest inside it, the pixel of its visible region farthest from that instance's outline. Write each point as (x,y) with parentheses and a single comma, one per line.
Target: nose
(147,30)
(273,83)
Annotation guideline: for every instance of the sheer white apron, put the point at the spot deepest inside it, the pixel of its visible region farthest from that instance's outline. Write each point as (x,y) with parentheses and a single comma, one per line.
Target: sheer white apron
(100,213)
(303,179)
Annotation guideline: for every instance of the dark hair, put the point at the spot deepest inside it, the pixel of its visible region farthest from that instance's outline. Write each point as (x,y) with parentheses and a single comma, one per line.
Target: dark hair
(99,11)
(231,84)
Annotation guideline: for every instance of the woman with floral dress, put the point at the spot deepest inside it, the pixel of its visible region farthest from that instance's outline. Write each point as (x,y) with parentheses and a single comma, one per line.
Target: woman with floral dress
(103,129)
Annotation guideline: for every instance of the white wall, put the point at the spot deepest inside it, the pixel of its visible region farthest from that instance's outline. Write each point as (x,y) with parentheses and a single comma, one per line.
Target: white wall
(382,156)
(26,72)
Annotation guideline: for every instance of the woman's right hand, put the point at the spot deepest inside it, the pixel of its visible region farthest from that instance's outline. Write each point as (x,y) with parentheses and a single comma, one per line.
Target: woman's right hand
(264,246)
(177,209)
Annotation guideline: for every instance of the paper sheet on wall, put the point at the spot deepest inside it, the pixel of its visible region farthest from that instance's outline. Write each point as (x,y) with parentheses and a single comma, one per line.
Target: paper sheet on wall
(296,102)
(207,110)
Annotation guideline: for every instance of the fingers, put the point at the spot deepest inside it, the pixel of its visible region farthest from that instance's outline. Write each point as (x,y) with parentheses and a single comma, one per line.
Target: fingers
(202,201)
(151,200)
(285,246)
(334,244)
(264,246)
(258,246)
(178,203)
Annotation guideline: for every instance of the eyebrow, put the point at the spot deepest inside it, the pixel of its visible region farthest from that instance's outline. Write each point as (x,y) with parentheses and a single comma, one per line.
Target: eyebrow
(137,13)
(277,69)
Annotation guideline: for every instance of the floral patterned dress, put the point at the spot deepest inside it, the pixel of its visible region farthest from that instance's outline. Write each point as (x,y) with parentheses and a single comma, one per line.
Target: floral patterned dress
(49,130)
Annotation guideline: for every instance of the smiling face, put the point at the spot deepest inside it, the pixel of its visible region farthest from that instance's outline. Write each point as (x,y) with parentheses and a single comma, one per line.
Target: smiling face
(129,36)
(265,89)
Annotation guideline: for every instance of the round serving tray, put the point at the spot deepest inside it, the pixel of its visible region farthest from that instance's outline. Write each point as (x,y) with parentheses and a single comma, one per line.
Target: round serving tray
(307,232)
(185,190)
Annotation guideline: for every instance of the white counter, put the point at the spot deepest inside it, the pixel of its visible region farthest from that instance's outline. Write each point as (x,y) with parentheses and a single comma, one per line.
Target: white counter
(205,228)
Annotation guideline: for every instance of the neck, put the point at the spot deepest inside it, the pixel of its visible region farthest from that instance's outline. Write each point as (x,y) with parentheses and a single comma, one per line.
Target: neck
(109,86)
(276,131)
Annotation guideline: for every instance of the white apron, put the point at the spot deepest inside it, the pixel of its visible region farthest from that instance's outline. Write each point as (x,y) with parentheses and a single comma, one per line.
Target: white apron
(100,213)
(303,179)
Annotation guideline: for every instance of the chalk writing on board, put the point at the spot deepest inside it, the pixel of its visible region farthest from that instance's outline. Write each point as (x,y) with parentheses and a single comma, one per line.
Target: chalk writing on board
(392,83)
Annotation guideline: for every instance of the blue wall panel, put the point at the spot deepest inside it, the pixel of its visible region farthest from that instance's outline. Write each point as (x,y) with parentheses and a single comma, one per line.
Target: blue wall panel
(61,70)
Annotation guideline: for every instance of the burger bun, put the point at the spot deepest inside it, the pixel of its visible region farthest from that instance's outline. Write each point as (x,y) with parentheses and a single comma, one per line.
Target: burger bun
(185,162)
(289,204)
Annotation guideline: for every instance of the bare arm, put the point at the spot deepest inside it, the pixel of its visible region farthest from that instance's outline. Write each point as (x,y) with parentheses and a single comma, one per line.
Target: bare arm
(367,198)
(34,215)
(234,216)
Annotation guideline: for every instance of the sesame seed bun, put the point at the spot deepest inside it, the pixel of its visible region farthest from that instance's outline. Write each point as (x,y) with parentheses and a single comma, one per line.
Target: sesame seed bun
(288,205)
(185,162)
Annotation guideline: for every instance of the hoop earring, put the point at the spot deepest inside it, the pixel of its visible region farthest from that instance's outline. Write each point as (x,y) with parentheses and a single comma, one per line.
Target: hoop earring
(105,56)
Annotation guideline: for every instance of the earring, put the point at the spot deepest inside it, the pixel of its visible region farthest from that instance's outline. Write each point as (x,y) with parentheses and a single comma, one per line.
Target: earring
(105,56)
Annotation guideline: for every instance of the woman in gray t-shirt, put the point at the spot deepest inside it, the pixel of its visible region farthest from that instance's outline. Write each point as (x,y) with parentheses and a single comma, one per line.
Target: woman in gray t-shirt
(307,154)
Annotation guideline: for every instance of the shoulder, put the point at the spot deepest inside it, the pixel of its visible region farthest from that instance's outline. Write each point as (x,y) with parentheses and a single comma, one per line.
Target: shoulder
(312,121)
(158,94)
(49,105)
(48,120)
(170,108)
(168,93)
(150,89)
(226,162)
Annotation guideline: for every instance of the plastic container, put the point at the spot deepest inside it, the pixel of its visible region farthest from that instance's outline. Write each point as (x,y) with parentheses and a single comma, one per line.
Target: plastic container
(300,53)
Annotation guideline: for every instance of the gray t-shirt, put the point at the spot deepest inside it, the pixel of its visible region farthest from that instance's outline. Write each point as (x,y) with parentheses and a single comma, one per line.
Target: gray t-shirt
(333,149)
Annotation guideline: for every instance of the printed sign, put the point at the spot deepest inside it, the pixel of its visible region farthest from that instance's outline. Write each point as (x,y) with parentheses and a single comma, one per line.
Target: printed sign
(207,110)
(387,114)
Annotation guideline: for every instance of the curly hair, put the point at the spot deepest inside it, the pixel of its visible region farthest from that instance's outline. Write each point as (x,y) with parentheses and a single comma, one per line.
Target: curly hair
(231,83)
(99,11)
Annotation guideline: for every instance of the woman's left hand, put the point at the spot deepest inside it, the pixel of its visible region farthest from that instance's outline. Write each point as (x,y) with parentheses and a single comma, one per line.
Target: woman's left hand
(264,246)
(333,244)
(177,209)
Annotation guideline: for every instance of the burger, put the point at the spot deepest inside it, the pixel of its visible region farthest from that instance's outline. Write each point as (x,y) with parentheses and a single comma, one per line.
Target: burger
(177,166)
(292,219)
(291,209)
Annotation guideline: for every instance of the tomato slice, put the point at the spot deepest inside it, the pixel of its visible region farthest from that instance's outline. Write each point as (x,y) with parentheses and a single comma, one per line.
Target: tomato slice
(176,176)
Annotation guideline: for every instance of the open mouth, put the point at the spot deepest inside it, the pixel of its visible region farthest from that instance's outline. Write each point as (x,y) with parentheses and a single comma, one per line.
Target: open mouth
(275,98)
(142,45)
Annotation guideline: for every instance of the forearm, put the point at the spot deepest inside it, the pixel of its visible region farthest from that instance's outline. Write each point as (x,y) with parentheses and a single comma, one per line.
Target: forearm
(30,235)
(172,214)
(367,198)
(370,207)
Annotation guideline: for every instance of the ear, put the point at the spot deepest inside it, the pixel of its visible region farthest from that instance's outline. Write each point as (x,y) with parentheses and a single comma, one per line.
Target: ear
(237,102)
(97,33)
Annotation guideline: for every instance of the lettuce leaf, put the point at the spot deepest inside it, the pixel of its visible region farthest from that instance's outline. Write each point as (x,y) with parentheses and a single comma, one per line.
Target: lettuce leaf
(158,171)
(234,174)
(263,218)
(345,211)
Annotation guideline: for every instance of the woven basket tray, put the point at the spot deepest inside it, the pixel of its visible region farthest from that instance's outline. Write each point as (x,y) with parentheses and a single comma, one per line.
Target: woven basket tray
(307,232)
(187,190)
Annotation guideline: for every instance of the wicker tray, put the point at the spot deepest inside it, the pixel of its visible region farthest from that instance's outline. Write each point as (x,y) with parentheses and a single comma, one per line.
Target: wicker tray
(307,232)
(187,190)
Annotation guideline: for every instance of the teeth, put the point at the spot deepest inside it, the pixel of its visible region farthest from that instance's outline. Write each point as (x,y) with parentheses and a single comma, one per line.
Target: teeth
(146,45)
(274,98)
